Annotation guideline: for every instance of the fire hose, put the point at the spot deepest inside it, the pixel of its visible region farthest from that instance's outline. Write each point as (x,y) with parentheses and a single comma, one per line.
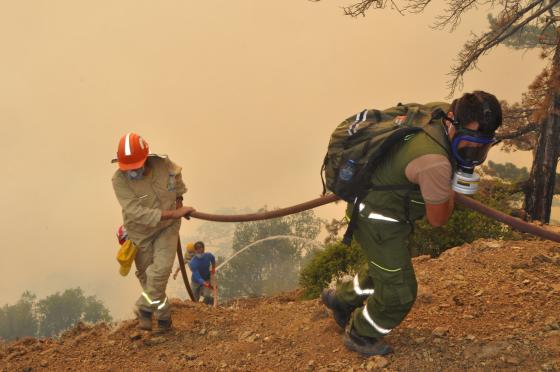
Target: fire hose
(467,202)
(184,270)
(470,203)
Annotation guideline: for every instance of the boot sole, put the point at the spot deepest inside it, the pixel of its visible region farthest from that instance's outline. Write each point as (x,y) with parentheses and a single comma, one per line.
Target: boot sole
(383,349)
(162,331)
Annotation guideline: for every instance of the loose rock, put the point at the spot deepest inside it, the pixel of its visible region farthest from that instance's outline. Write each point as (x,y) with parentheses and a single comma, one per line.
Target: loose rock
(440,331)
(377,362)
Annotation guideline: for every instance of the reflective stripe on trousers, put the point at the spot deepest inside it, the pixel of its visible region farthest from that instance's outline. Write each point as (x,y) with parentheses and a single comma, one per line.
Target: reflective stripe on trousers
(160,304)
(377,327)
(359,291)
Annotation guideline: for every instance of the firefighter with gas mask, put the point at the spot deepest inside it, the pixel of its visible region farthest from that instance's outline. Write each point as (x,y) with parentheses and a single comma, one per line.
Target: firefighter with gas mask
(150,190)
(438,163)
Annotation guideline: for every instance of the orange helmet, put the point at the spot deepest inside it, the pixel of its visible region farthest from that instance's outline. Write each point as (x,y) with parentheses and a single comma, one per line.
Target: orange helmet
(133,152)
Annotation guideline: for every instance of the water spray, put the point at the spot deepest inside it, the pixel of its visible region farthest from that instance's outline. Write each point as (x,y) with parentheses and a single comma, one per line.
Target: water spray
(290,237)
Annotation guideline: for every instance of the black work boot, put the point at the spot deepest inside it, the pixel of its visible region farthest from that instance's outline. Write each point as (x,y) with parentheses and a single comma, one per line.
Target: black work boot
(341,312)
(144,319)
(164,325)
(365,345)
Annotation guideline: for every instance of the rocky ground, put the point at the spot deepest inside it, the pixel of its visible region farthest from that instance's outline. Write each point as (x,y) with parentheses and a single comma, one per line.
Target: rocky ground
(484,306)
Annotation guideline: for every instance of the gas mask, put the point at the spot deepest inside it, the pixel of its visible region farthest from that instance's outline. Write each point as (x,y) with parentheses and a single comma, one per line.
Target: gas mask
(469,148)
(135,174)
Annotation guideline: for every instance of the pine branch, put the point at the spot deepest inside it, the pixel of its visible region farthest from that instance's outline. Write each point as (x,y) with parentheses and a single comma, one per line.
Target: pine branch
(361,7)
(531,127)
(417,6)
(454,13)
(477,47)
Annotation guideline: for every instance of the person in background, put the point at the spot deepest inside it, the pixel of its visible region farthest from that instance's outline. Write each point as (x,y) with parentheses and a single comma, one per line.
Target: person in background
(202,266)
(189,254)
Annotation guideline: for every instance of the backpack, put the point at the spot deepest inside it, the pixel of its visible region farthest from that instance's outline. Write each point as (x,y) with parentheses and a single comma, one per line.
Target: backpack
(358,144)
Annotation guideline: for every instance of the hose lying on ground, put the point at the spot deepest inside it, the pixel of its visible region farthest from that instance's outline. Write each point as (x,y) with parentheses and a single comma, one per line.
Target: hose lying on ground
(326,199)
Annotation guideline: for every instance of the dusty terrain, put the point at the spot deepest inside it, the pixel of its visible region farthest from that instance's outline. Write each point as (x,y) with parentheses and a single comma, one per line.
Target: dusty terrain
(484,306)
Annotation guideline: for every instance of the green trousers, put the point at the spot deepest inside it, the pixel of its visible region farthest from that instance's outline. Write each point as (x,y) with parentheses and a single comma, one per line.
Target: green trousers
(387,282)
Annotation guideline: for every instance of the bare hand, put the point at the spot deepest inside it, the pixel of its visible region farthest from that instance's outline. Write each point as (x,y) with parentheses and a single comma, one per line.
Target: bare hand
(183,212)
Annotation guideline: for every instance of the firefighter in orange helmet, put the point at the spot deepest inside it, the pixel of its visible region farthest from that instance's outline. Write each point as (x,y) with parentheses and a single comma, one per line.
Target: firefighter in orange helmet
(150,190)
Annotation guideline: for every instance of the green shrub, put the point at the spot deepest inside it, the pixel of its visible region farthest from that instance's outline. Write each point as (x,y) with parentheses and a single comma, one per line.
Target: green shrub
(335,260)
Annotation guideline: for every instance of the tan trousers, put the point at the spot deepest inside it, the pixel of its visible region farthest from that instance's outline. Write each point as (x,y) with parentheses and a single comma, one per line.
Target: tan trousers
(154,262)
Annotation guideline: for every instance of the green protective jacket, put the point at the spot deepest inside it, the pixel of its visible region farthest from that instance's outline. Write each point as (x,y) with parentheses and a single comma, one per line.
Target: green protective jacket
(405,205)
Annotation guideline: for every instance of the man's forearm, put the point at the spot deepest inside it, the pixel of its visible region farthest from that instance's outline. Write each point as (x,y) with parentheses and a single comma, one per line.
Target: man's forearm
(438,214)
(176,213)
(168,215)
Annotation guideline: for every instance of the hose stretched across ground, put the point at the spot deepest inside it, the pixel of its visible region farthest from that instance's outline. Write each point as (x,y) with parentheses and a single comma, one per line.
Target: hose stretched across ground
(326,199)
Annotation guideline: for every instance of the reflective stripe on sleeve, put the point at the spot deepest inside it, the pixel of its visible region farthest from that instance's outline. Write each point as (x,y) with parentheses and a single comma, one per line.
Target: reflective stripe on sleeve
(359,291)
(377,327)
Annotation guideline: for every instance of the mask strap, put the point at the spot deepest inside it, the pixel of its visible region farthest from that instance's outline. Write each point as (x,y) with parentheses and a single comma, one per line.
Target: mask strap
(453,121)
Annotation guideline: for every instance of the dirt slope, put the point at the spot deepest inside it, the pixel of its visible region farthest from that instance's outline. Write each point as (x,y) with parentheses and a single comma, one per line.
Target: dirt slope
(484,306)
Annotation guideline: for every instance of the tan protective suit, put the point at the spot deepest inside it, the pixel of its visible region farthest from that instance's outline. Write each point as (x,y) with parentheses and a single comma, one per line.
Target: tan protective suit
(142,202)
